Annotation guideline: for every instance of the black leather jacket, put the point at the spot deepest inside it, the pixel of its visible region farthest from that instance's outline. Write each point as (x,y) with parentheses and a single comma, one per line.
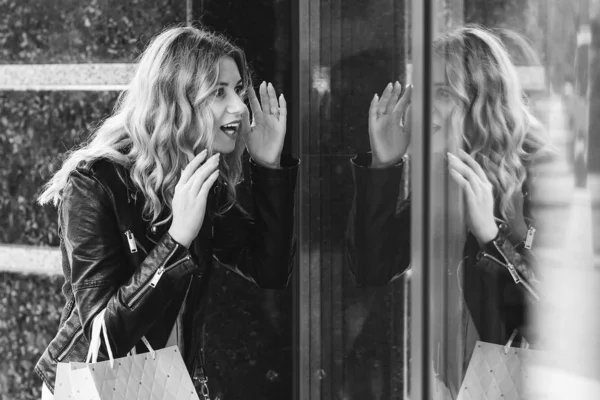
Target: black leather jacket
(497,278)
(114,259)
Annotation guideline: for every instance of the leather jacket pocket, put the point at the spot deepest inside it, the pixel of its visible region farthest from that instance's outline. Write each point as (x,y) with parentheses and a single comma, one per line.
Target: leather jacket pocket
(69,343)
(149,285)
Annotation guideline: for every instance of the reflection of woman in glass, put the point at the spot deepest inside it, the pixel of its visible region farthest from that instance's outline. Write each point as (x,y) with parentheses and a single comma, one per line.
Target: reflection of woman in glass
(477,101)
(148,202)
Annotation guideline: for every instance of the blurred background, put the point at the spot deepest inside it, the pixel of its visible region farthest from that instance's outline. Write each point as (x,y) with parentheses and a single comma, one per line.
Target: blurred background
(63,63)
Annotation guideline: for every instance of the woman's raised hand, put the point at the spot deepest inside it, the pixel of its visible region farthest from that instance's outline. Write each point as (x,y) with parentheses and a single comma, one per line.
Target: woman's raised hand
(264,139)
(389,138)
(190,197)
(479,195)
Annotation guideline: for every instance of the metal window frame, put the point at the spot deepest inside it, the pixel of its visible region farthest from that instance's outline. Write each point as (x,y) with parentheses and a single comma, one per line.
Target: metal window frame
(421,221)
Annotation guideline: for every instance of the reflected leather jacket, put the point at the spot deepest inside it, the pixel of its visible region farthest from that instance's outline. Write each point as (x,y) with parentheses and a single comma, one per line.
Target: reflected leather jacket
(114,259)
(497,277)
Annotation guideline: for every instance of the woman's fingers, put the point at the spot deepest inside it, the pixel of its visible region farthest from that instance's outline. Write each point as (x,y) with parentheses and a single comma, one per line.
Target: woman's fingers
(395,96)
(282,106)
(470,161)
(264,98)
(465,171)
(404,101)
(193,165)
(202,173)
(273,104)
(208,183)
(254,104)
(463,183)
(373,106)
(385,98)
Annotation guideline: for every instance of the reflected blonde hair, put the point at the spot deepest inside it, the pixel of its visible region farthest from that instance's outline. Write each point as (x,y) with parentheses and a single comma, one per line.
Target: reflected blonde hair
(163,119)
(490,109)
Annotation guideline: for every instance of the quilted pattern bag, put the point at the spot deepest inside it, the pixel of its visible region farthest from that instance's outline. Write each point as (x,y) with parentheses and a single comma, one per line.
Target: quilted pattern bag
(159,374)
(498,372)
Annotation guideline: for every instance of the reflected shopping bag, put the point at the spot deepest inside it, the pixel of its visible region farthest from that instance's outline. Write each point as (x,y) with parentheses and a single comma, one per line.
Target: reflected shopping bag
(498,372)
(159,374)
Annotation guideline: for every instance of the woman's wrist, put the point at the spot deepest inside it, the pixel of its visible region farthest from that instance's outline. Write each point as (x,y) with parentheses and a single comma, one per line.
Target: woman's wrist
(272,165)
(378,164)
(180,238)
(487,235)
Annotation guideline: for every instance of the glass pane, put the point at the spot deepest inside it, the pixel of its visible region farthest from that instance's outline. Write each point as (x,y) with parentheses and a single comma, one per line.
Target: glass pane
(249,351)
(351,323)
(509,225)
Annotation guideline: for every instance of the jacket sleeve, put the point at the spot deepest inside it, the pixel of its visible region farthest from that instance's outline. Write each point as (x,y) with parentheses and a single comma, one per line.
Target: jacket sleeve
(378,235)
(100,274)
(255,238)
(501,282)
(511,248)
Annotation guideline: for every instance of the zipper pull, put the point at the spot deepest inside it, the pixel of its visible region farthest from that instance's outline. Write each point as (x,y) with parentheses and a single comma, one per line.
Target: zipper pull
(529,238)
(157,275)
(513,273)
(131,241)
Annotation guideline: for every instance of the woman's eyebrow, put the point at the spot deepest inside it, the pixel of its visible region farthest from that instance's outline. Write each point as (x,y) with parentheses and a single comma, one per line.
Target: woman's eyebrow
(227,83)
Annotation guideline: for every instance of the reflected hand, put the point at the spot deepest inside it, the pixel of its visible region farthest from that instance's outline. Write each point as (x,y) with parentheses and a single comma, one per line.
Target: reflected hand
(389,138)
(479,195)
(264,138)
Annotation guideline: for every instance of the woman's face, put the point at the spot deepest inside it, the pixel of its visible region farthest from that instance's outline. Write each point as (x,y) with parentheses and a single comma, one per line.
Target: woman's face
(227,107)
(443,104)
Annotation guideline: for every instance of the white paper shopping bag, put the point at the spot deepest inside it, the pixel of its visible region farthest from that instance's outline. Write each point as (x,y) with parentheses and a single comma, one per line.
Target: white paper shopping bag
(159,374)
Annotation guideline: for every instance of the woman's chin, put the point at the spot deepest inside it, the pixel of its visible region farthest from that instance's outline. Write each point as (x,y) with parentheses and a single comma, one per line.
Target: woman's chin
(224,148)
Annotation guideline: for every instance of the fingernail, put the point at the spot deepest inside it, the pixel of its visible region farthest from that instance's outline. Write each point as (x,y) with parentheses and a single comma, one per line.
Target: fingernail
(203,152)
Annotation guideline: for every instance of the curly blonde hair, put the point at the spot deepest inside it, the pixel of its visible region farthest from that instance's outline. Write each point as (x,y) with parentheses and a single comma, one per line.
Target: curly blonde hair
(163,119)
(491,113)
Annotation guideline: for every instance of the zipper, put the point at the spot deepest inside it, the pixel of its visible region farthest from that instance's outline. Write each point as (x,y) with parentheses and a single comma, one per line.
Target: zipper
(529,238)
(131,240)
(515,275)
(70,345)
(509,266)
(154,281)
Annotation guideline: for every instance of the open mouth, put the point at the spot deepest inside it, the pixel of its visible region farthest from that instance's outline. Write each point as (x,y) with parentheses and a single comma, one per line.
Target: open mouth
(232,129)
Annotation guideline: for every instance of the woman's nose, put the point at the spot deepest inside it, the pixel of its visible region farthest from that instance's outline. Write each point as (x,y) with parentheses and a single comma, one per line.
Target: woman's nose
(236,105)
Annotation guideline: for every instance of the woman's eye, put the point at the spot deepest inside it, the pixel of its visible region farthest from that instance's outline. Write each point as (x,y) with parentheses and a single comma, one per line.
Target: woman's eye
(220,92)
(240,91)
(443,93)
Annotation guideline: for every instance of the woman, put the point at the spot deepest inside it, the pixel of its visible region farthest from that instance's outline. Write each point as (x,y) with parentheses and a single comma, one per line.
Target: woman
(154,196)
(477,101)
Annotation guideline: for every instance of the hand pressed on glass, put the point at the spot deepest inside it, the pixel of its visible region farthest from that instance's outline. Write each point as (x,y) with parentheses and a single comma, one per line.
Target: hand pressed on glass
(388,136)
(264,139)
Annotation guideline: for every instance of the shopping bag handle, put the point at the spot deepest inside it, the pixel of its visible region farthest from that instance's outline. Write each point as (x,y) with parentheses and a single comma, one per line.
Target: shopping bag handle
(98,329)
(510,340)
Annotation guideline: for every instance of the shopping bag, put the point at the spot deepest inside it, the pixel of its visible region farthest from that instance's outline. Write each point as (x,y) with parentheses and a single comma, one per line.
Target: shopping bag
(159,374)
(62,384)
(498,372)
